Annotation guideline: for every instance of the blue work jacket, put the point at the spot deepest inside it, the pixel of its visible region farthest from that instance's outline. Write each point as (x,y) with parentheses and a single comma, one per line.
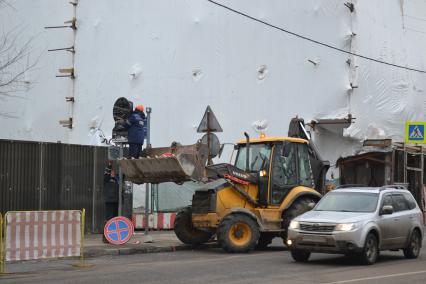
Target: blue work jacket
(135,125)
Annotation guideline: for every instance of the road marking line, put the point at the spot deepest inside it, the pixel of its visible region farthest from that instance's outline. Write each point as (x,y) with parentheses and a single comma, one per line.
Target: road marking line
(378,277)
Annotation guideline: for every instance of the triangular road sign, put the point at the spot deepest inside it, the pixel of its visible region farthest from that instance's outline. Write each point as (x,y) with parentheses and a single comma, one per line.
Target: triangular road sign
(209,123)
(416,133)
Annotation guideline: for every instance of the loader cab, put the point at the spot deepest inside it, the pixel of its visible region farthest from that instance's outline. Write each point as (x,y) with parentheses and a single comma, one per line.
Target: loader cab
(259,157)
(290,168)
(279,164)
(259,165)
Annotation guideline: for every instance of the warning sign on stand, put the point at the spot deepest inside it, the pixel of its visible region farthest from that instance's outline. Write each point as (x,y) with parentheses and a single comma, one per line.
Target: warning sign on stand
(415,132)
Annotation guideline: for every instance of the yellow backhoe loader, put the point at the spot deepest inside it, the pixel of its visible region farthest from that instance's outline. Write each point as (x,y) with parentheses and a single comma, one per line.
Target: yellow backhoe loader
(246,204)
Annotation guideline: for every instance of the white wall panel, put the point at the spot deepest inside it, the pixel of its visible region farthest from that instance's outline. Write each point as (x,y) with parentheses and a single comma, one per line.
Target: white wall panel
(192,53)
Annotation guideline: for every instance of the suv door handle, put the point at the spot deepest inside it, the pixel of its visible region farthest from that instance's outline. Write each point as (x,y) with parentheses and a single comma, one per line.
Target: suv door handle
(411,217)
(396,219)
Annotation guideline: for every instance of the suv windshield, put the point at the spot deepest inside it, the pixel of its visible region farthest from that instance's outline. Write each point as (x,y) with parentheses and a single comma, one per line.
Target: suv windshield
(348,202)
(259,157)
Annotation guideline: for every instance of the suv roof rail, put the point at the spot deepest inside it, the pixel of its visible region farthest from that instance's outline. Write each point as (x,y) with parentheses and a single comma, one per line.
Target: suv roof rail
(350,185)
(393,186)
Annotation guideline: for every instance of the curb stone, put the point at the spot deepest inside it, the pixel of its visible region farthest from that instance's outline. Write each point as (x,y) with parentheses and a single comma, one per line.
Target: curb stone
(102,251)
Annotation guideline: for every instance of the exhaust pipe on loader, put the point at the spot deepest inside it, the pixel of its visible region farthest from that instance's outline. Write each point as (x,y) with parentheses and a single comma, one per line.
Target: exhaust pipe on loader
(247,151)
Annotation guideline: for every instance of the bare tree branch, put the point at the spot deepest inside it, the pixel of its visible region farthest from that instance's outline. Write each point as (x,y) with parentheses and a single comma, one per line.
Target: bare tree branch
(15,60)
(4,3)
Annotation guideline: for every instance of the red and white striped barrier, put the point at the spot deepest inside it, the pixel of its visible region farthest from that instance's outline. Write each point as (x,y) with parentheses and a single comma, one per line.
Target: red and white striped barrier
(157,221)
(42,234)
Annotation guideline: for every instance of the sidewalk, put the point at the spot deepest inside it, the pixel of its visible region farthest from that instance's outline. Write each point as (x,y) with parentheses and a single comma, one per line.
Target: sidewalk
(156,241)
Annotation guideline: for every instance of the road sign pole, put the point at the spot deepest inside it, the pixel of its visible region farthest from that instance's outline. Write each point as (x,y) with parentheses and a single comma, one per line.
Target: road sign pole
(147,187)
(208,139)
(120,184)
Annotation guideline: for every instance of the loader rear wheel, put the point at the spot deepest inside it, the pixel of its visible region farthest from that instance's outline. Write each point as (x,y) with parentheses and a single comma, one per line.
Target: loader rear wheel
(238,233)
(185,230)
(299,206)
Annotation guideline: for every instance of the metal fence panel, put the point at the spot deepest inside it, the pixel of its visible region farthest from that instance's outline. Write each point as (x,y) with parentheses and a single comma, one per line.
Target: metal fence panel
(19,175)
(53,176)
(50,177)
(101,159)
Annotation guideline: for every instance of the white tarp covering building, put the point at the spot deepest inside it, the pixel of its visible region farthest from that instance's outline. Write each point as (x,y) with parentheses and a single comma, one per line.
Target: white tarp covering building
(178,56)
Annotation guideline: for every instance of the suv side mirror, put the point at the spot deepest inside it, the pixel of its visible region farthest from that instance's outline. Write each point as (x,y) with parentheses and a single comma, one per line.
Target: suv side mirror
(311,205)
(387,210)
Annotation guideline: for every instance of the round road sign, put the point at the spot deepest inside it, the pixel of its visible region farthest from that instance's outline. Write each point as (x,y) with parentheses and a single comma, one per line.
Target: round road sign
(214,143)
(118,230)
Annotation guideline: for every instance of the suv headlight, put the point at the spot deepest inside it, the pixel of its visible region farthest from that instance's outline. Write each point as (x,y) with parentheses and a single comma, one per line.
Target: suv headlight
(294,225)
(345,227)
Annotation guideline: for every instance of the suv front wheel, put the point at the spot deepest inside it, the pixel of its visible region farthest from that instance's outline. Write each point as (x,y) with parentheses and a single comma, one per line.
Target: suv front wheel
(370,251)
(300,255)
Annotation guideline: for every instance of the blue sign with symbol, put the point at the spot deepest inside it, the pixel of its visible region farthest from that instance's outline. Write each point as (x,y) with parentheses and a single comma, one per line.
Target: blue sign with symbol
(415,132)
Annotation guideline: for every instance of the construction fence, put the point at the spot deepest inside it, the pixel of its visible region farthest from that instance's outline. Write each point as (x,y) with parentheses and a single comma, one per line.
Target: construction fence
(28,235)
(56,176)
(53,176)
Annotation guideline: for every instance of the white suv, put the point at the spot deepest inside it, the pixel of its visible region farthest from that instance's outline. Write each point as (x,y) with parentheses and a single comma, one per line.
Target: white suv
(359,221)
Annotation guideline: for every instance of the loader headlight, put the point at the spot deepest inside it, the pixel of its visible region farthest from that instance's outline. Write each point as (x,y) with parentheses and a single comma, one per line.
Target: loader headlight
(345,227)
(294,225)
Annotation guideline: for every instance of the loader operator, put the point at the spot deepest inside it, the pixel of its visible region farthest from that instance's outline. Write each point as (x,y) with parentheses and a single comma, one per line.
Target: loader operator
(135,125)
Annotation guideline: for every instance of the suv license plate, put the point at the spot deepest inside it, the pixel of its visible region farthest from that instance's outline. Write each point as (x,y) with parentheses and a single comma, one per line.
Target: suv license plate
(314,239)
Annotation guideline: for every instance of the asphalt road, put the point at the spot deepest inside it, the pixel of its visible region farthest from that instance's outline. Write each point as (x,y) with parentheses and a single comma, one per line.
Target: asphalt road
(274,265)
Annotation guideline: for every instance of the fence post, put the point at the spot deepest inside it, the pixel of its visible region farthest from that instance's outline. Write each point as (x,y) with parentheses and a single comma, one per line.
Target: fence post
(40,181)
(2,246)
(83,263)
(94,188)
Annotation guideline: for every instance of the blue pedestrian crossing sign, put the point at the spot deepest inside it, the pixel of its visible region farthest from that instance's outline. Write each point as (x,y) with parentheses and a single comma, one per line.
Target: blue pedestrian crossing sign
(415,132)
(118,230)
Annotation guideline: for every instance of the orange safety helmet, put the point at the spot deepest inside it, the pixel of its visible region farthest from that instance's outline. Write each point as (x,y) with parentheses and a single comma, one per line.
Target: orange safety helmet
(140,108)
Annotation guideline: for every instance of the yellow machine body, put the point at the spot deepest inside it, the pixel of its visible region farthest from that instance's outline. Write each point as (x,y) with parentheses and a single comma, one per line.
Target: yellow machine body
(268,216)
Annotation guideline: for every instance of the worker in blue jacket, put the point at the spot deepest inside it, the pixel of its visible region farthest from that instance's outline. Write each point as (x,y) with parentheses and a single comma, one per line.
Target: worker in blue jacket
(136,132)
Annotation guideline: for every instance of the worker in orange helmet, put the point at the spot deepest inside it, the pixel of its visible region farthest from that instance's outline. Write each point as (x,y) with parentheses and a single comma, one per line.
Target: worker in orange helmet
(136,132)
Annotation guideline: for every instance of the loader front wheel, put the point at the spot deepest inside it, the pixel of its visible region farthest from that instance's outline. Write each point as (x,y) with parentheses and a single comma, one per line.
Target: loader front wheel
(238,233)
(185,230)
(299,206)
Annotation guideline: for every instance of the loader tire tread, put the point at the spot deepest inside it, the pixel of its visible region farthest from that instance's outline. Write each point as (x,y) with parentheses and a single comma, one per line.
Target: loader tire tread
(186,232)
(224,234)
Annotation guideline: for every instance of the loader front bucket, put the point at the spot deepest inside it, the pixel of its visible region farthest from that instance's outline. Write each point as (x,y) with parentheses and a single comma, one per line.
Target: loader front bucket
(183,163)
